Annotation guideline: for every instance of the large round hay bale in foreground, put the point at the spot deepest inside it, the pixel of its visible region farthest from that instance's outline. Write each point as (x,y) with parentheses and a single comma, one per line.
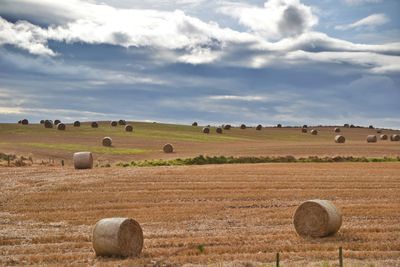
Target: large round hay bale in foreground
(107,141)
(83,160)
(259,127)
(194,124)
(219,130)
(94,125)
(206,130)
(56,122)
(168,148)
(114,123)
(395,137)
(48,124)
(117,237)
(317,218)
(77,124)
(61,126)
(24,122)
(314,132)
(243,126)
(128,128)
(227,127)
(122,122)
(383,137)
(372,139)
(304,130)
(337,130)
(340,139)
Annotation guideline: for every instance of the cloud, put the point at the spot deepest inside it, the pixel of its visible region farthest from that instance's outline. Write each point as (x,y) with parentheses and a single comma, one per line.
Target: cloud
(368,22)
(277,19)
(361,2)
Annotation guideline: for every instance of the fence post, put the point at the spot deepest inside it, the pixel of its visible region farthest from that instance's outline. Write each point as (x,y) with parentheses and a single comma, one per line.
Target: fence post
(277,259)
(8,160)
(340,257)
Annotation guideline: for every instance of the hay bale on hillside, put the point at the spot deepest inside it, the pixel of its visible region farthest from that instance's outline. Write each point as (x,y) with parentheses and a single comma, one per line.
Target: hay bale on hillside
(117,237)
(317,218)
(48,124)
(243,126)
(337,130)
(371,139)
(56,122)
(122,122)
(77,124)
(227,127)
(41,121)
(83,160)
(383,137)
(219,130)
(128,128)
(61,126)
(352,126)
(20,121)
(379,131)
(395,137)
(24,122)
(279,125)
(340,139)
(314,132)
(194,124)
(371,127)
(304,130)
(259,127)
(346,125)
(206,130)
(107,141)
(168,148)
(94,125)
(305,126)
(114,123)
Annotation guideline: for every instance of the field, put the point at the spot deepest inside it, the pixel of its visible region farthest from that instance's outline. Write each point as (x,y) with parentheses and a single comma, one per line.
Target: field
(214,215)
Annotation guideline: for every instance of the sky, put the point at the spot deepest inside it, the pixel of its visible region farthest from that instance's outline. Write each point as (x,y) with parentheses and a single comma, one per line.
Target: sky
(292,62)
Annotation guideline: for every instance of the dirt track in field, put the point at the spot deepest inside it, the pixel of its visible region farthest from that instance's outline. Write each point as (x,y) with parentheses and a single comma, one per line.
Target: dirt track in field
(241,213)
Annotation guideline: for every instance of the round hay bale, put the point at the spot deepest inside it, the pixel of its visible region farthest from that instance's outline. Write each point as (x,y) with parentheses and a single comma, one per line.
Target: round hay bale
(107,141)
(219,130)
(243,126)
(340,139)
(83,160)
(168,148)
(61,126)
(279,125)
(77,124)
(194,124)
(20,121)
(122,122)
(314,132)
(56,122)
(346,125)
(206,130)
(352,126)
(383,137)
(48,124)
(227,127)
(114,123)
(128,128)
(372,139)
(259,127)
(24,122)
(337,130)
(317,218)
(395,137)
(304,130)
(305,126)
(41,121)
(94,125)
(117,237)
(379,131)
(371,127)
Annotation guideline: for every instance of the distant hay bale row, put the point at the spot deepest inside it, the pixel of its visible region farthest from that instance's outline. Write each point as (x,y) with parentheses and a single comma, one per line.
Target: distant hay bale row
(94,125)
(107,141)
(48,124)
(77,124)
(114,123)
(317,218)
(227,127)
(56,122)
(194,124)
(206,130)
(243,126)
(122,122)
(117,237)
(23,122)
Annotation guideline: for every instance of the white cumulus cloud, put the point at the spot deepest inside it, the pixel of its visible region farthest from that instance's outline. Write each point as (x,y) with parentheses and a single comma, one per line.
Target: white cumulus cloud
(368,22)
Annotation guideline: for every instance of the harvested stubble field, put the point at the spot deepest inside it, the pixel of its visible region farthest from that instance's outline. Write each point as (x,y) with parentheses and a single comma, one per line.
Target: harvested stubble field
(242,214)
(147,139)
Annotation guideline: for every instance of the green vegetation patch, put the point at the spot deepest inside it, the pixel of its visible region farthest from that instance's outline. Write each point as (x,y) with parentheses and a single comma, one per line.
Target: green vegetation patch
(203,160)
(94,149)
